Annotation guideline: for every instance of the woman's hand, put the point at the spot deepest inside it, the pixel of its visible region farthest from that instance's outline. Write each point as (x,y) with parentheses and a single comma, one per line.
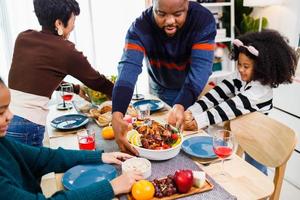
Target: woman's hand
(122,184)
(83,94)
(121,128)
(115,157)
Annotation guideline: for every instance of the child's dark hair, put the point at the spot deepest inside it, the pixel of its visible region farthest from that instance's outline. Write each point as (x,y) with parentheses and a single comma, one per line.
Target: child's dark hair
(1,81)
(47,11)
(276,62)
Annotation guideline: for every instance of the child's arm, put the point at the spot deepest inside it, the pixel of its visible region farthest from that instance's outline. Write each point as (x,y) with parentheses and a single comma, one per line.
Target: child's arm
(222,92)
(257,98)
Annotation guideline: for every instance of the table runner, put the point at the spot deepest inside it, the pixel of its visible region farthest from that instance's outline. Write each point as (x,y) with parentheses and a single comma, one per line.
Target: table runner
(163,168)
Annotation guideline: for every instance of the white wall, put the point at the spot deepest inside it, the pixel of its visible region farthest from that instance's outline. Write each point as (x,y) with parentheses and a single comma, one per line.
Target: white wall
(99,32)
(285,18)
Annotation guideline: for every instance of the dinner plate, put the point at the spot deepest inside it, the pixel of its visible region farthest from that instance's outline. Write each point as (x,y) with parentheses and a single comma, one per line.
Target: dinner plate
(199,146)
(154,104)
(84,175)
(70,121)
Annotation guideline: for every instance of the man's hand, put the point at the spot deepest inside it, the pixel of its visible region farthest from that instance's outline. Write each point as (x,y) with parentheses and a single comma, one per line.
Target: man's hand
(175,115)
(121,128)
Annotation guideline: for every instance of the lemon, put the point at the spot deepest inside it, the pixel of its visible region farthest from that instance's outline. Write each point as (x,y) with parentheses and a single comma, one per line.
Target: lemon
(134,137)
(136,140)
(131,133)
(177,142)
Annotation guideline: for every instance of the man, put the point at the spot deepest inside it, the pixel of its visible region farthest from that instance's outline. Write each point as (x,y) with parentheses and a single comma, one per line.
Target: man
(177,37)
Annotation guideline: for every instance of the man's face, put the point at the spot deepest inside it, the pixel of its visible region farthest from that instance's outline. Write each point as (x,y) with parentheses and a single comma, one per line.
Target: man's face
(170,15)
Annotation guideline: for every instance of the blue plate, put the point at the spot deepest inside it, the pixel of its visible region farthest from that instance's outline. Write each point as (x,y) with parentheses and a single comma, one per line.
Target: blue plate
(199,146)
(84,175)
(155,105)
(71,121)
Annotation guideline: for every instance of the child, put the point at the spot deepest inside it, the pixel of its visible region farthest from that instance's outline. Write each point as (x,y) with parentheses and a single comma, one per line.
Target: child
(21,166)
(264,60)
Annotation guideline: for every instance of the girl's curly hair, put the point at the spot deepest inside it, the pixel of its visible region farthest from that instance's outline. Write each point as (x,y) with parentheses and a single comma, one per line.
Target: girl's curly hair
(276,62)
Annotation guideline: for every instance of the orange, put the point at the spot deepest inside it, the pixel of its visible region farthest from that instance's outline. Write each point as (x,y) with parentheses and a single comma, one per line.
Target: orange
(108,133)
(143,190)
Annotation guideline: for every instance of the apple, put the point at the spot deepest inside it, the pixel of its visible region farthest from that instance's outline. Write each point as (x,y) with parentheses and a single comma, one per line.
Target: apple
(183,180)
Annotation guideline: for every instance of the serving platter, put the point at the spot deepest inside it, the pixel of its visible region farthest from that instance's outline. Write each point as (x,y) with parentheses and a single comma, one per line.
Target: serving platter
(194,190)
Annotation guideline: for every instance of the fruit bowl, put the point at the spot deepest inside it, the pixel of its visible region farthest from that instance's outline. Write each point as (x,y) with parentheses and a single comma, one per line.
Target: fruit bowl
(161,153)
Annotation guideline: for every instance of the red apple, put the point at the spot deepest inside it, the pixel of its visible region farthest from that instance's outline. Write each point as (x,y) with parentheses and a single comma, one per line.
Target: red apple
(183,180)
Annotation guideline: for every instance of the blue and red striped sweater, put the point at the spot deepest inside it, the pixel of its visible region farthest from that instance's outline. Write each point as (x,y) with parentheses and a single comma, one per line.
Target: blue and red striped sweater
(182,62)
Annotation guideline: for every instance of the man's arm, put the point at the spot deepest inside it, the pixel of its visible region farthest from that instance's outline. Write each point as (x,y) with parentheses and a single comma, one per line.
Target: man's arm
(201,66)
(129,68)
(200,70)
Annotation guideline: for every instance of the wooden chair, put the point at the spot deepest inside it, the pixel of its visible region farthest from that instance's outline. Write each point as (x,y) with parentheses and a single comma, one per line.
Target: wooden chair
(267,141)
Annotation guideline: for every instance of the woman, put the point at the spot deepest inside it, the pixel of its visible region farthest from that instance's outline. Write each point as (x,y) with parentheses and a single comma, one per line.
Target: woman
(21,166)
(40,62)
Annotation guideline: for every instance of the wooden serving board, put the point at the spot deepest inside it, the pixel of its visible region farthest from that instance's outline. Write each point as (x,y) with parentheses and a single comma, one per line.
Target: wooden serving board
(194,190)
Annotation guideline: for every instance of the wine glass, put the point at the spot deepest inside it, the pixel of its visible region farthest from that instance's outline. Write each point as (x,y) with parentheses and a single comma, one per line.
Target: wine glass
(137,96)
(223,146)
(66,93)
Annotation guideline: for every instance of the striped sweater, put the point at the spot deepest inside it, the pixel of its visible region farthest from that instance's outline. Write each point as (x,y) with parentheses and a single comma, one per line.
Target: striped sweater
(231,99)
(182,62)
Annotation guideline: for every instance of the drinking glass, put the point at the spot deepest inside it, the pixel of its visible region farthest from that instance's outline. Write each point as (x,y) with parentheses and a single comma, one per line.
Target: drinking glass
(223,146)
(143,112)
(66,93)
(86,139)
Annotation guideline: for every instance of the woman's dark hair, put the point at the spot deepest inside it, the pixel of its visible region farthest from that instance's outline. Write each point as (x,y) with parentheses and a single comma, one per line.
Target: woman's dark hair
(276,62)
(48,11)
(1,81)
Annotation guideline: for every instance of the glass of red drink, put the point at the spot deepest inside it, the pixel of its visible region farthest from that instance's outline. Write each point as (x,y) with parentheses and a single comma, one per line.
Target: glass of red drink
(223,146)
(66,92)
(86,140)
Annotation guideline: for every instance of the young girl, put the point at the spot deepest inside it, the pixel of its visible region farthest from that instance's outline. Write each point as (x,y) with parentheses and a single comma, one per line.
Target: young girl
(21,166)
(264,60)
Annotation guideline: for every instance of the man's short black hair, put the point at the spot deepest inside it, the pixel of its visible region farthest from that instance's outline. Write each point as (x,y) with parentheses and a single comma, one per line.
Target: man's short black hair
(48,11)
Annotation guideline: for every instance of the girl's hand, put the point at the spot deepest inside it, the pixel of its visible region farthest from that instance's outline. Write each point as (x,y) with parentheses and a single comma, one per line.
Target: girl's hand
(122,184)
(189,123)
(115,157)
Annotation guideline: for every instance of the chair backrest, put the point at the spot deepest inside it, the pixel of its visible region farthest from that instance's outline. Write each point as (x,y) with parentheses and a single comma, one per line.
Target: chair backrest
(267,141)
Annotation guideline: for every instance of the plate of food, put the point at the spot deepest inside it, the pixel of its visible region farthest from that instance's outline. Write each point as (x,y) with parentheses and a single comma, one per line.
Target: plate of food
(199,147)
(155,141)
(70,121)
(154,104)
(83,175)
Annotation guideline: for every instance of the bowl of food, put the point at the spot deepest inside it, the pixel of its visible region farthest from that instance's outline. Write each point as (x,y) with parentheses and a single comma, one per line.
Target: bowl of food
(96,97)
(137,164)
(155,141)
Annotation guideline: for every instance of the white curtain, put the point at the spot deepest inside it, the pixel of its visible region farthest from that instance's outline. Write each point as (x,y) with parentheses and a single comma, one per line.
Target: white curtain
(99,32)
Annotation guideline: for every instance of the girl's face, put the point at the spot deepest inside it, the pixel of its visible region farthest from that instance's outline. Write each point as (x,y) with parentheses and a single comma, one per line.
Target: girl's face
(5,114)
(245,67)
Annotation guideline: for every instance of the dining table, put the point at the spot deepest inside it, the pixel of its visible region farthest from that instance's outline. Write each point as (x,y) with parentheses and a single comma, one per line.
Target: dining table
(243,181)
